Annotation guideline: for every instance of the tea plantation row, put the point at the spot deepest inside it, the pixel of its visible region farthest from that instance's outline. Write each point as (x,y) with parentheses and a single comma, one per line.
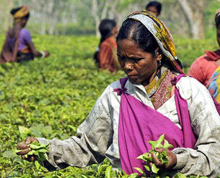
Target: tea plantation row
(52,96)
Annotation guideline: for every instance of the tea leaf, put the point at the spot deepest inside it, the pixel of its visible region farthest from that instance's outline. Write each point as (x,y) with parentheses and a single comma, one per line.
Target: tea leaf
(179,175)
(108,172)
(23,130)
(134,175)
(158,143)
(167,145)
(8,154)
(154,169)
(145,157)
(139,170)
(37,165)
(160,140)
(147,168)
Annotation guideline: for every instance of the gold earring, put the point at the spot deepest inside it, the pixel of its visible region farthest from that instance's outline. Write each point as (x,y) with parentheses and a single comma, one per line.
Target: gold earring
(160,57)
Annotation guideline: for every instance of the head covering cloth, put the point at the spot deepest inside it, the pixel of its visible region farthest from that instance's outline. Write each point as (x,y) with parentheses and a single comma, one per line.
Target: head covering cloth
(161,34)
(20,14)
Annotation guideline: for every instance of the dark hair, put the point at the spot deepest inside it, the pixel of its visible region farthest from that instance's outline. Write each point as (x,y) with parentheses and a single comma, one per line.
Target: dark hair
(156,4)
(105,28)
(217,22)
(135,30)
(13,11)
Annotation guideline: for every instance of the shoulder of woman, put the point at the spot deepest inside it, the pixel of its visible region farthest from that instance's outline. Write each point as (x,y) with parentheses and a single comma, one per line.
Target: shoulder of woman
(188,85)
(25,31)
(105,44)
(199,67)
(201,60)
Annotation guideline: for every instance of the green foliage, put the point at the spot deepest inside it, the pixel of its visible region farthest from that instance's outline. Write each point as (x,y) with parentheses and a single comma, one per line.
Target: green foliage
(50,97)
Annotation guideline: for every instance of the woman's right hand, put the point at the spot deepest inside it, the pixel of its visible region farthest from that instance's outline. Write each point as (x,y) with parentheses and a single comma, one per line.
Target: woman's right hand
(24,146)
(172,159)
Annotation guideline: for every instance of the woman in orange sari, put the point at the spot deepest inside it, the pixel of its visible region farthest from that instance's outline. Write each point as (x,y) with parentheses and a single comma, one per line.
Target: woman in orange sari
(106,55)
(18,45)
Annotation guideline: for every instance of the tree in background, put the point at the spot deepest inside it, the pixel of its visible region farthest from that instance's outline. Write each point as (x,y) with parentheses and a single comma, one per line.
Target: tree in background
(194,13)
(102,9)
(5,15)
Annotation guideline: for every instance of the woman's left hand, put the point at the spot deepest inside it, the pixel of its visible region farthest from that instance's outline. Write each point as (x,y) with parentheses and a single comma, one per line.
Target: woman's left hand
(47,53)
(172,159)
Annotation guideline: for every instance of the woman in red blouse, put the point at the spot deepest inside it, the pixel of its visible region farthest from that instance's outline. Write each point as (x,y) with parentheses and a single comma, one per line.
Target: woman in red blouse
(106,56)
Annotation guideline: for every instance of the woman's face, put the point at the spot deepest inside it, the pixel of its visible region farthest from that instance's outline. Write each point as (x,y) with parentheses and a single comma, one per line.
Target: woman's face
(140,66)
(115,31)
(153,9)
(24,22)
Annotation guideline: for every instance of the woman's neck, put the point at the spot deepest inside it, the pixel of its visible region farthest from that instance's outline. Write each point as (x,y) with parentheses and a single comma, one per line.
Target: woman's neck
(18,26)
(15,30)
(147,82)
(113,37)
